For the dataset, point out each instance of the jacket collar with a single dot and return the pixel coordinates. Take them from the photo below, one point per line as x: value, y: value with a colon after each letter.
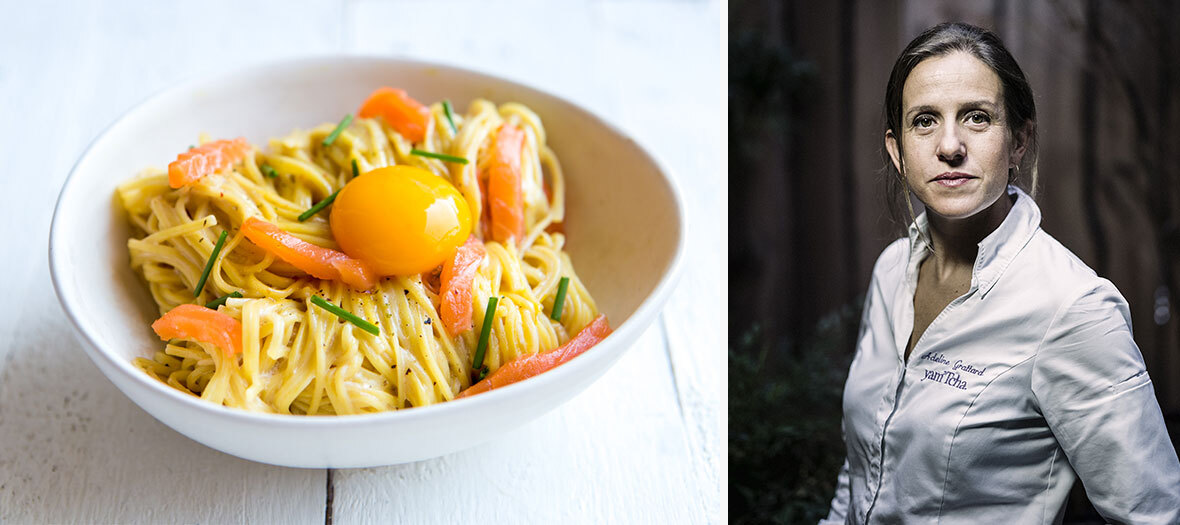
x: 996, y: 251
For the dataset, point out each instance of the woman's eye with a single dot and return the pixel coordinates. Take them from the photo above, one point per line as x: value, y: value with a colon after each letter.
x: 978, y: 118
x: 924, y: 121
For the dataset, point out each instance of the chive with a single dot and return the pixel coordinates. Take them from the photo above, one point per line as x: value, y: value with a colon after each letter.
x: 439, y: 156
x: 209, y: 263
x: 559, y: 301
x: 190, y: 146
x: 344, y: 122
x: 318, y: 206
x: 269, y: 171
x: 212, y: 305
x: 450, y: 116
x: 347, y: 316
x: 485, y: 333
x: 355, y: 172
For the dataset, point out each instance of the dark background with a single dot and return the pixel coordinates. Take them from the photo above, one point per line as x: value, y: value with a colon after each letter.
x: 807, y: 215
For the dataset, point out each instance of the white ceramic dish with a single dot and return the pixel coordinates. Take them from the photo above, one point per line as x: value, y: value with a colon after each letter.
x: 624, y: 222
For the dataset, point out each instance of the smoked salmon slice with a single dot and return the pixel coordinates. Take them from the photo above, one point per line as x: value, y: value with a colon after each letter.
x: 530, y: 365
x: 317, y: 261
x: 458, y: 273
x: 206, y: 159
x: 505, y: 196
x: 406, y: 115
x: 197, y: 323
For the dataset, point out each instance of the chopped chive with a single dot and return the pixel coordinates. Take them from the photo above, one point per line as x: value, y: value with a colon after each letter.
x: 269, y: 171
x: 483, y: 372
x: 559, y: 301
x: 344, y: 122
x: 209, y: 263
x: 212, y: 305
x: 439, y: 156
x: 347, y: 316
x: 318, y: 206
x: 190, y: 146
x: 355, y: 172
x: 485, y: 333
x: 450, y: 116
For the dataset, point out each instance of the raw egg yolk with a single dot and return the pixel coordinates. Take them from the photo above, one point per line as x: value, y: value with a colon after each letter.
x: 400, y: 220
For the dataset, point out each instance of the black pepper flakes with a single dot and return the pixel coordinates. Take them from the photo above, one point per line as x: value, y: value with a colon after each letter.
x: 427, y: 321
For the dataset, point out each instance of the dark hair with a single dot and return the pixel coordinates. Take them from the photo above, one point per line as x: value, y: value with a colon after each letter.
x: 1019, y: 108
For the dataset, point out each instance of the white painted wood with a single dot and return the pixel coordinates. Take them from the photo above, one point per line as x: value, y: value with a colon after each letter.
x: 76, y: 450
x: 559, y: 47
x: 642, y: 445
x: 677, y: 116
x: 616, y: 453
x: 72, y: 447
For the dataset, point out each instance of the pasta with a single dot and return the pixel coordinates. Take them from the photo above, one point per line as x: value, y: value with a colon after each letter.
x: 297, y: 358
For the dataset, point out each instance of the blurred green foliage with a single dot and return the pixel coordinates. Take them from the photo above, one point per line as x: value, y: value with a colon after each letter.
x: 785, y: 442
x: 767, y: 85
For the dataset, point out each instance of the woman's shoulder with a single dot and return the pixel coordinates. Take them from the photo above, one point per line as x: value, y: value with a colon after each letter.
x: 1049, y: 249
x: 1089, y: 331
x: 1056, y: 266
x: 893, y: 259
x: 1057, y: 273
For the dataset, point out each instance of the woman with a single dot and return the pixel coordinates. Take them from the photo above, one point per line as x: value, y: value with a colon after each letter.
x: 993, y: 367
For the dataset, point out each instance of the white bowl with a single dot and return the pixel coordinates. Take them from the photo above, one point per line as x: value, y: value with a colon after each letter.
x: 624, y: 222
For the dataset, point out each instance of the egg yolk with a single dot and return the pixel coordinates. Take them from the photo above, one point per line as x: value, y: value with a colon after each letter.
x: 400, y: 220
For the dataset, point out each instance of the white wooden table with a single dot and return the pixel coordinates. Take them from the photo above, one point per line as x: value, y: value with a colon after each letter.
x: 642, y: 445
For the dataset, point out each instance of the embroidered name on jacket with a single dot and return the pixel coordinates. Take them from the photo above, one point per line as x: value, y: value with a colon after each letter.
x: 952, y: 377
x: 946, y: 377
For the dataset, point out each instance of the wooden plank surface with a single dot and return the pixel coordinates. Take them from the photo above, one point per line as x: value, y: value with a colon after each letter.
x: 629, y: 62
x: 616, y: 453
x: 641, y: 445
x: 72, y: 447
x: 674, y: 120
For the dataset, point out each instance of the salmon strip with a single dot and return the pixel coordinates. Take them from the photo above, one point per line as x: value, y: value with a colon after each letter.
x: 197, y: 323
x: 406, y: 115
x: 531, y: 365
x: 317, y: 261
x: 458, y: 274
x: 206, y: 159
x: 505, y: 196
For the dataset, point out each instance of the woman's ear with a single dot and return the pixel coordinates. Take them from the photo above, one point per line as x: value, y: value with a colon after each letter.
x: 891, y: 147
x: 1021, y: 137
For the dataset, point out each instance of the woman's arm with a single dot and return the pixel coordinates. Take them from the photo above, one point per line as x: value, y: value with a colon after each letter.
x: 838, y: 512
x: 1093, y: 389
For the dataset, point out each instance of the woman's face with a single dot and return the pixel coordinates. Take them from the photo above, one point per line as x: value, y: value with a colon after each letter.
x: 955, y: 139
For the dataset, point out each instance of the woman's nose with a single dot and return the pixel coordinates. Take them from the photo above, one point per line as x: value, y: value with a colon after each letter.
x: 951, y: 148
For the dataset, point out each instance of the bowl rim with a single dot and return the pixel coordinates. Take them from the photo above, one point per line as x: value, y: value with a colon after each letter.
x: 630, y: 329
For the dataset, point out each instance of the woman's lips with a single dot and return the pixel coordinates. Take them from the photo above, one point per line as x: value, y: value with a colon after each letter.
x: 951, y: 183
x: 952, y: 180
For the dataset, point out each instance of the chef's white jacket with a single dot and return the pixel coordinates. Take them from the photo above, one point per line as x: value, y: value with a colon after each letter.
x: 1026, y: 382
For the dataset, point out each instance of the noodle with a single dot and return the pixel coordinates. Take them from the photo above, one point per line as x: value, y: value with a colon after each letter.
x: 301, y: 359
